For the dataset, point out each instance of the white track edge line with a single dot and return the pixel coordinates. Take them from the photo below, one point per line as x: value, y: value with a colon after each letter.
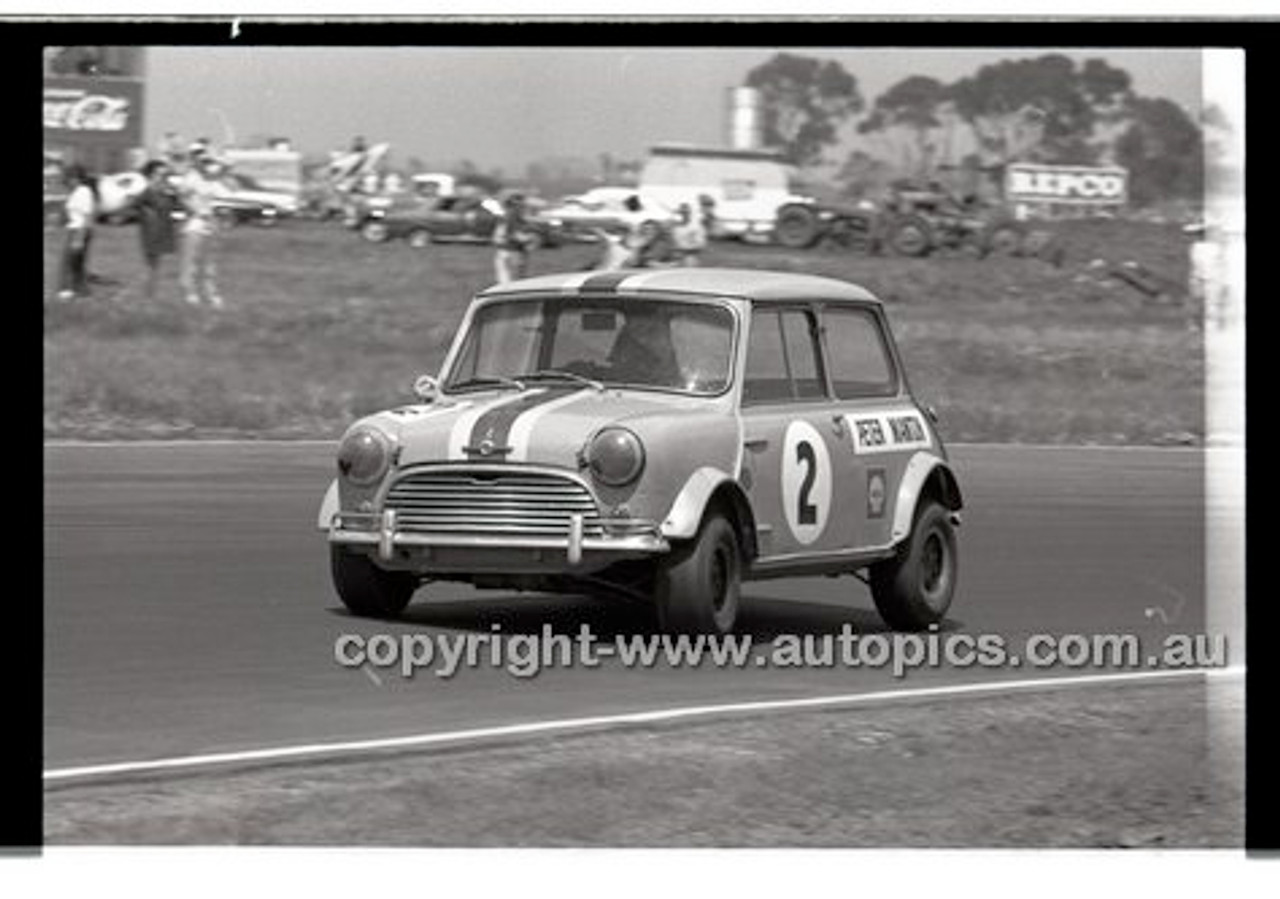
x: 329, y: 750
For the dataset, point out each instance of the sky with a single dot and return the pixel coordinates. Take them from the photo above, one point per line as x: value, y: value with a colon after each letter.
x: 504, y: 107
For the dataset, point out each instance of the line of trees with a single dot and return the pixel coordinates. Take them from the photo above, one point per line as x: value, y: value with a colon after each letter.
x: 1044, y: 109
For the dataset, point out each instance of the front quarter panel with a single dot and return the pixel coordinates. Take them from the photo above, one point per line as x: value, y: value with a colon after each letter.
x: 678, y: 448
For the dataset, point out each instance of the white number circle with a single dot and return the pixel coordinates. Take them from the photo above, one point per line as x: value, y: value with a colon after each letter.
x: 806, y: 481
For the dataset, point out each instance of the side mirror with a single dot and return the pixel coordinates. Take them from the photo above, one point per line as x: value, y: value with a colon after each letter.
x: 426, y: 388
x: 932, y: 413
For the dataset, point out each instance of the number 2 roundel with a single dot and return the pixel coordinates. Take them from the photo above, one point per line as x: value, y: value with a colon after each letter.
x: 806, y: 481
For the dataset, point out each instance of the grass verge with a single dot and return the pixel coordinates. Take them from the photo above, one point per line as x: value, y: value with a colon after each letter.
x: 1126, y: 766
x: 322, y: 327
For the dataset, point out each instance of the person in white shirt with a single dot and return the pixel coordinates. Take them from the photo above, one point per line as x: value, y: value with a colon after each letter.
x: 689, y: 236
x: 80, y: 208
x: 199, y: 188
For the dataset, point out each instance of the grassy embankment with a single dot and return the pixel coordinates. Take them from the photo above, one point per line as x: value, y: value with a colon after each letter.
x: 322, y: 327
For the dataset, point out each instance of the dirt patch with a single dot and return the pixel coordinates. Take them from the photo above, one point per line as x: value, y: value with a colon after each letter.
x: 1130, y: 766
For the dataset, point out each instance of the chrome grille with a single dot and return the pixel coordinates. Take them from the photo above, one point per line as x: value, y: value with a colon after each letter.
x: 491, y: 503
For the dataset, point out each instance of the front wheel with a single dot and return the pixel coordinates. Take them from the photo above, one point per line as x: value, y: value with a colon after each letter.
x: 367, y: 590
x: 914, y: 589
x: 419, y: 238
x: 698, y: 586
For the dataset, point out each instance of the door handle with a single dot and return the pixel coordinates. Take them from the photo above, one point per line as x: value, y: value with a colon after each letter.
x: 757, y: 444
x: 837, y: 425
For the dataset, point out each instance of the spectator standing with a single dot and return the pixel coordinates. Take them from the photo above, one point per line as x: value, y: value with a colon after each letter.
x: 689, y: 236
x: 156, y: 206
x: 707, y: 214
x: 199, y: 190
x: 513, y: 239
x: 615, y: 250
x: 81, y: 208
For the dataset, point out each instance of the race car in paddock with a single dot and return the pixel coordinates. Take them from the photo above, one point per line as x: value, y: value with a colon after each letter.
x: 659, y: 436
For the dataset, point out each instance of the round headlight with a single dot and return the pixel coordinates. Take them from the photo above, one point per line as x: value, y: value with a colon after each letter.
x: 364, y: 456
x: 615, y: 456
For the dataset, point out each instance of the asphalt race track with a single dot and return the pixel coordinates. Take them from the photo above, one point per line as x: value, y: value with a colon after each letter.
x: 188, y: 607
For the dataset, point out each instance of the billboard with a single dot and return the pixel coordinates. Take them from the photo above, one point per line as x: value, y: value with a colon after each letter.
x: 1075, y: 185
x: 92, y: 111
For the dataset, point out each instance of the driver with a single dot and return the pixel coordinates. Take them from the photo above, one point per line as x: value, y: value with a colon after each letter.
x: 643, y: 352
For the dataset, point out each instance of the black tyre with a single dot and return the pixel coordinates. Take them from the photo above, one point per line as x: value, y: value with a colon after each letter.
x: 914, y: 589
x: 419, y: 238
x: 911, y: 235
x: 855, y: 235
x: 797, y: 227
x: 1005, y: 239
x: 698, y: 587
x: 375, y: 231
x: 366, y: 589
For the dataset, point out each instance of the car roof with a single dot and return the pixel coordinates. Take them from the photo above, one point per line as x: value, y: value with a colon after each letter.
x: 750, y: 284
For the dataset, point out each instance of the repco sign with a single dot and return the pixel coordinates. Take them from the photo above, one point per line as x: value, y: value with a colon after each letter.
x: 1075, y: 184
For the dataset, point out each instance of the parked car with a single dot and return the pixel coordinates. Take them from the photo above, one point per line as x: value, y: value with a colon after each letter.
x: 457, y: 219
x: 607, y: 209
x: 248, y: 202
x: 656, y: 435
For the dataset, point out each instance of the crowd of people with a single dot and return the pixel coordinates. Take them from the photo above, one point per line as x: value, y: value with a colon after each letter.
x: 175, y: 213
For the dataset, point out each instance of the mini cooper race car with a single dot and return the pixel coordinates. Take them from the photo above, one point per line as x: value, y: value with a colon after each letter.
x: 660, y: 435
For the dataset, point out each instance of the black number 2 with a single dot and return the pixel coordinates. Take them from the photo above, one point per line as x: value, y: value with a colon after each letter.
x: 807, y: 512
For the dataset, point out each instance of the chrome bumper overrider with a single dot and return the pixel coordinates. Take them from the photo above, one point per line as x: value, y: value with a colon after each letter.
x: 621, y: 536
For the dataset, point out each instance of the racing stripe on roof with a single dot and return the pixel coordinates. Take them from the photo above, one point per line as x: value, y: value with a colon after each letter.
x: 573, y: 282
x: 607, y: 282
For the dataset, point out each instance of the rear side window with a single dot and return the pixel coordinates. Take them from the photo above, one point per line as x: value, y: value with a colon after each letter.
x: 782, y: 358
x: 856, y: 354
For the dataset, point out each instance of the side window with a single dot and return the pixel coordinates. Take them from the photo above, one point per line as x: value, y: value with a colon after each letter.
x: 856, y: 354
x: 802, y: 354
x: 766, y: 375
x: 782, y: 358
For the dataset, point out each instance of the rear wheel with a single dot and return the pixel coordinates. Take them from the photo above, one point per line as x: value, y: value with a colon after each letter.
x: 914, y: 589
x: 797, y: 227
x: 698, y: 586
x: 419, y: 238
x: 375, y: 231
x: 367, y: 590
x: 1005, y: 239
x: 911, y: 236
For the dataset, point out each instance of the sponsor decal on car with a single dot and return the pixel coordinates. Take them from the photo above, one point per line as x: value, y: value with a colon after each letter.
x: 887, y: 432
x: 876, y: 492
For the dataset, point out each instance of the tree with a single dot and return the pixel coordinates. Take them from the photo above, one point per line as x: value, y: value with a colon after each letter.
x: 805, y: 101
x: 1043, y: 108
x: 1163, y: 148
x: 907, y: 119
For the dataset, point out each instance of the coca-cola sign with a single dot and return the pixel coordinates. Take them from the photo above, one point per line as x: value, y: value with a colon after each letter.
x: 93, y: 108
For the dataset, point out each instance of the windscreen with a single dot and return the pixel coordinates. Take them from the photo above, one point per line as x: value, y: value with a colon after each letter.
x: 632, y: 342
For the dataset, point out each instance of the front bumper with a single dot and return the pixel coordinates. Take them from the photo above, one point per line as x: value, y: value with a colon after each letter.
x: 573, y: 552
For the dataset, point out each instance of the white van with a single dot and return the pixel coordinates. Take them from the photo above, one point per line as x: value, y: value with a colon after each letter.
x: 747, y: 186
